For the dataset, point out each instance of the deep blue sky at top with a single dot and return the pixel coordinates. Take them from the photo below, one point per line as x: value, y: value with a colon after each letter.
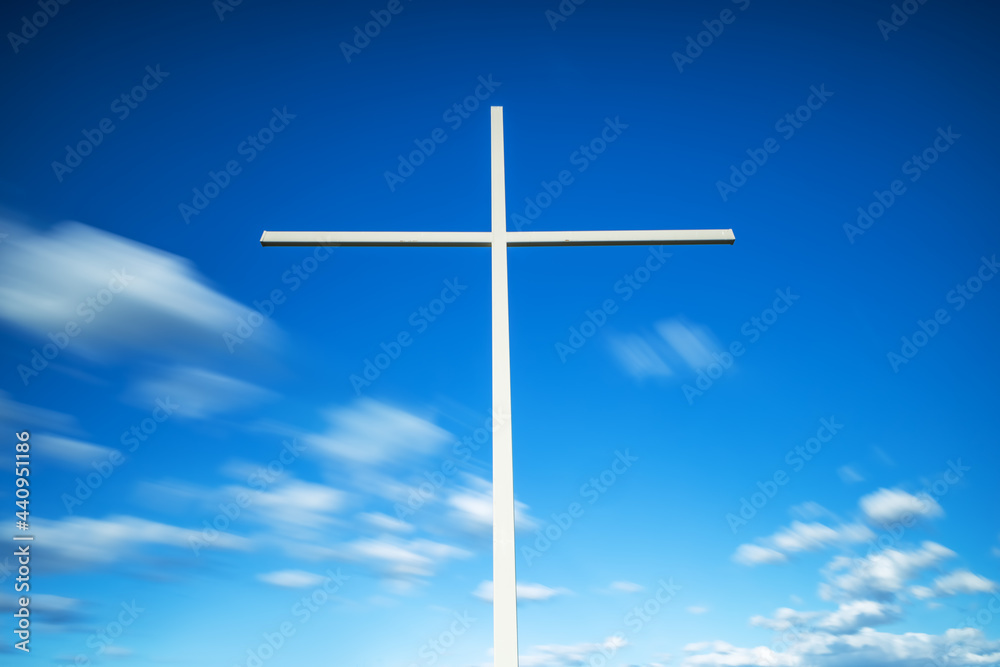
x: 607, y: 62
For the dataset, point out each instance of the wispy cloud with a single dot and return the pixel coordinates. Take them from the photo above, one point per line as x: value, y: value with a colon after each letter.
x: 199, y: 393
x: 83, y: 543
x: 68, y: 452
x: 891, y: 505
x: 166, y: 305
x: 374, y: 433
x: 524, y: 591
x: 291, y: 579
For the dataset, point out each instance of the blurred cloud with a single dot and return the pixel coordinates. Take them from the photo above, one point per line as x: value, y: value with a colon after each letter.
x: 800, y: 536
x: 963, y: 582
x: 198, y: 393
x: 82, y: 543
x: 751, y: 554
x: 638, y: 357
x: 881, y: 575
x: 849, y: 475
x: 386, y: 522
x: 16, y: 416
x: 292, y: 579
x: 373, y: 433
x: 399, y: 558
x: 67, y: 452
x: 572, y: 655
x: 890, y: 505
x: 677, y: 343
x: 470, y: 507
x: 525, y: 591
x: 626, y: 586
x: 165, y: 304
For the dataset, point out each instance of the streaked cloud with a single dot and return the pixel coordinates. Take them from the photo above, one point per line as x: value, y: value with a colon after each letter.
x: 373, y: 433
x: 525, y: 591
x: 198, y: 393
x: 292, y: 579
x: 891, y: 505
x: 166, y: 306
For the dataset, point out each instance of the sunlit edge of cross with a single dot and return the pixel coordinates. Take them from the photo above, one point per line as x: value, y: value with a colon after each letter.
x: 499, y: 239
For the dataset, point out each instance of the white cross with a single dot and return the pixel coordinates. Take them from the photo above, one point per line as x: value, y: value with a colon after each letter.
x: 499, y: 239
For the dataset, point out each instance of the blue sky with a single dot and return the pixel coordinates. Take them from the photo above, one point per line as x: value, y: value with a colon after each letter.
x: 781, y: 452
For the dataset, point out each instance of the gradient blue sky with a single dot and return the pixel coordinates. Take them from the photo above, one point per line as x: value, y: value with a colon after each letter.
x: 821, y: 572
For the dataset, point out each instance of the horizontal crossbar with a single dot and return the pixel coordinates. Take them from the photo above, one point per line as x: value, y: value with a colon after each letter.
x: 513, y: 239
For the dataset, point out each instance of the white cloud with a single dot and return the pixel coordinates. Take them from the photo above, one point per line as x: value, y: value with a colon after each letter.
x: 167, y: 304
x: 374, y: 433
x: 292, y: 578
x: 963, y: 581
x: 697, y: 610
x: 814, y: 536
x: 890, y: 505
x: 880, y: 575
x: 79, y: 542
x: 751, y: 554
x: 864, y: 648
x: 294, y: 506
x: 69, y: 452
x: 555, y: 655
x: 16, y: 416
x: 471, y: 508
x: 198, y: 393
x: 801, y: 536
x: 694, y: 344
x: 724, y: 654
x: 849, y: 475
x: 857, y: 614
x: 399, y: 558
x: 386, y: 522
x: 524, y: 591
x: 638, y: 357
x: 626, y: 587
x: 678, y: 343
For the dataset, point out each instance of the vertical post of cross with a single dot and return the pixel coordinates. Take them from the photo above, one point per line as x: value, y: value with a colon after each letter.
x: 504, y: 579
